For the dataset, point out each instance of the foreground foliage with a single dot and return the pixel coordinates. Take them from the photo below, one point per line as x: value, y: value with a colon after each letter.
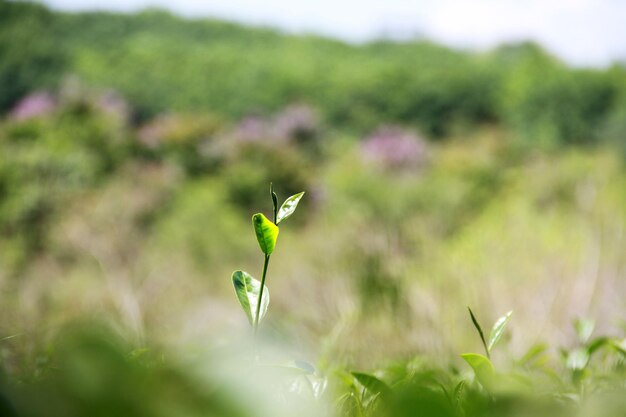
x: 94, y: 372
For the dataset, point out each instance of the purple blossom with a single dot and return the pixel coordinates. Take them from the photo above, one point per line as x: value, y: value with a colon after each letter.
x: 297, y: 121
x: 294, y: 123
x: 114, y: 105
x: 394, y: 147
x: 155, y: 131
x: 251, y: 129
x: 34, y: 105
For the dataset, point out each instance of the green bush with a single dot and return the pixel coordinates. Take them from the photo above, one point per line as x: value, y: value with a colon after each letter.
x: 51, y: 160
x: 29, y: 56
x: 161, y: 62
x: 256, y: 164
x: 545, y: 103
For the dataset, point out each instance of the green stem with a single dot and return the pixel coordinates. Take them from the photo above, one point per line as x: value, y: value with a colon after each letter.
x: 486, y: 348
x: 258, y: 304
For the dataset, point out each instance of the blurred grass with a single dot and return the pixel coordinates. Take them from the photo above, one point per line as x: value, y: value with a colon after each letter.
x: 381, y: 252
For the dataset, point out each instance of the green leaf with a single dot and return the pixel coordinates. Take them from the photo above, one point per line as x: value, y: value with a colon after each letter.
x: 138, y: 353
x: 305, y: 366
x: 288, y: 207
x: 371, y: 384
x: 483, y: 369
x: 458, y: 391
x: 247, y: 290
x: 266, y: 233
x: 300, y: 367
x: 534, y: 353
x: 497, y: 329
x: 584, y: 328
x: 599, y: 342
x: 620, y: 345
x: 319, y: 386
x: 479, y: 329
x: 577, y: 359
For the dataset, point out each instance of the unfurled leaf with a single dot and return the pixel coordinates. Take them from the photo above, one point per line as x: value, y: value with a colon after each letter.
x: 620, y: 345
x: 305, y: 366
x: 296, y: 366
x: 247, y: 290
x: 577, y: 359
x: 458, y: 391
x: 497, y: 329
x: 319, y: 386
x: 483, y: 369
x: 599, y: 342
x: 288, y: 207
x: 266, y: 233
x: 584, y: 328
x: 533, y: 354
x: 372, y: 385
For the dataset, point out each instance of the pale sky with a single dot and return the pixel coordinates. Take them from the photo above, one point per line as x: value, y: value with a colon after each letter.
x: 582, y: 32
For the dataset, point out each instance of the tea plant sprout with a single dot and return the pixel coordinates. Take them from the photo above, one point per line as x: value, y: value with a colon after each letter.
x: 578, y: 359
x: 253, y: 295
x: 482, y: 366
x: 496, y: 330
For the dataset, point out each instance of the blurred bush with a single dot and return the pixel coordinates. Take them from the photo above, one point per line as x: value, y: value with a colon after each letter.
x: 94, y: 371
x: 254, y: 165
x: 196, y: 216
x: 546, y: 103
x: 52, y: 159
x: 30, y: 57
x: 393, y: 148
x: 186, y: 139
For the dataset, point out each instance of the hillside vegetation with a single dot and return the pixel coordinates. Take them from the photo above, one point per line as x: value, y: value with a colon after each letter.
x: 164, y: 63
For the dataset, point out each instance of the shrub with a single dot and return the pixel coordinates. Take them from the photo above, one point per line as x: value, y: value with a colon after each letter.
x: 545, y: 103
x: 30, y: 58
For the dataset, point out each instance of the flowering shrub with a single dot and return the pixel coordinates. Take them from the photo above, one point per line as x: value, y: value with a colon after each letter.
x: 37, y: 104
x: 296, y: 122
x: 393, y: 147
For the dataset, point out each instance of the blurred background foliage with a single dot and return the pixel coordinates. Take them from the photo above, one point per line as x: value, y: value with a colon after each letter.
x: 160, y: 62
x: 134, y: 149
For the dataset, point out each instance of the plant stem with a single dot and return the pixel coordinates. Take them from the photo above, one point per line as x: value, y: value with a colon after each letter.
x: 258, y: 304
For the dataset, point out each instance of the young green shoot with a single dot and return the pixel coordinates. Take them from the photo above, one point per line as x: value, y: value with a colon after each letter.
x: 252, y: 294
x: 496, y: 331
x: 482, y: 366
